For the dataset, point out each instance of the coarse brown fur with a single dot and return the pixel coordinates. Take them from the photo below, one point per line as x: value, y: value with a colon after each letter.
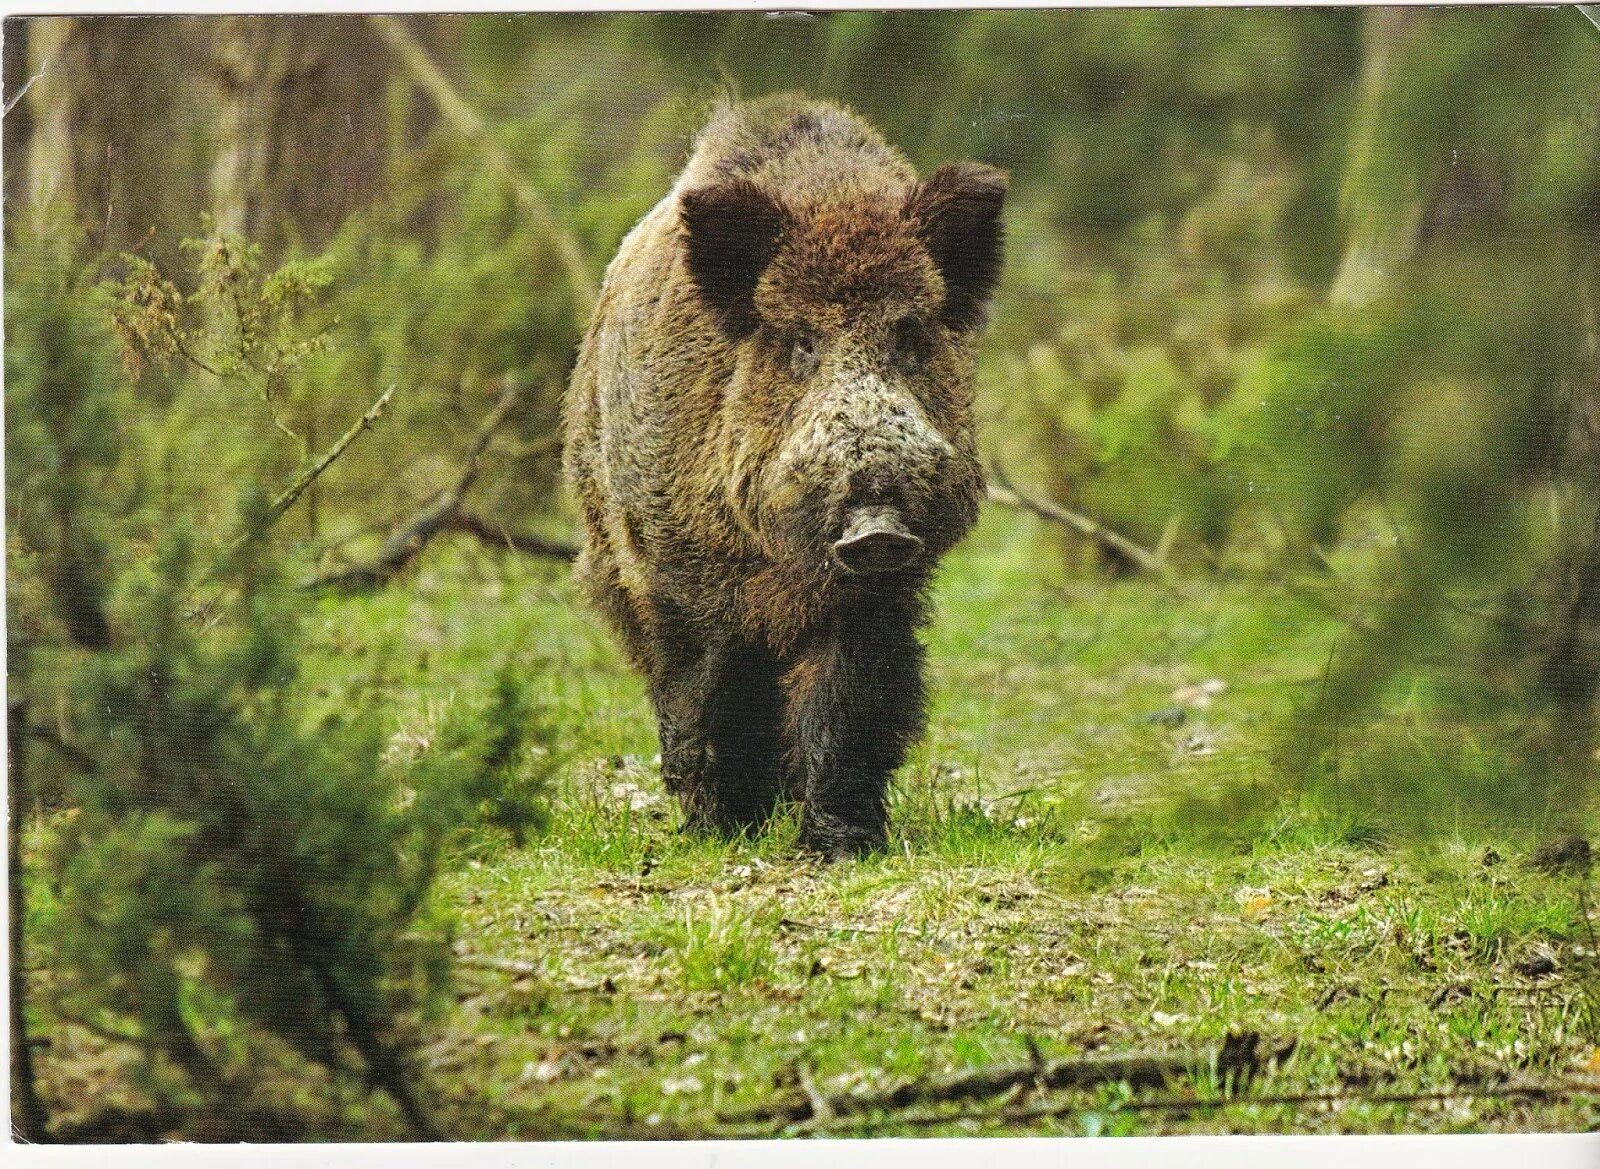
x: 784, y: 341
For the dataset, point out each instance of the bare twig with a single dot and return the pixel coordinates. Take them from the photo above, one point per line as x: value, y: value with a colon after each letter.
x: 76, y: 756
x: 286, y: 499
x: 26, y: 85
x: 821, y: 1107
x: 1004, y: 492
x: 399, y: 550
x: 471, y: 126
x: 796, y: 924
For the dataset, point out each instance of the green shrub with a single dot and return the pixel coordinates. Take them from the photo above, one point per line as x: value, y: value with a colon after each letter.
x: 239, y: 874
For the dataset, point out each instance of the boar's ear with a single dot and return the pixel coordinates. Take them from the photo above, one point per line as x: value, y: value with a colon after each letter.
x: 956, y: 211
x: 733, y: 230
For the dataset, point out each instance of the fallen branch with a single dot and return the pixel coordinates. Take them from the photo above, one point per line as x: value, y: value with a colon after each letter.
x: 792, y: 923
x: 496, y: 536
x: 822, y: 1109
x: 1004, y: 492
x: 1460, y: 1092
x: 1049, y: 1110
x: 520, y: 969
x: 443, y: 513
x: 399, y: 550
x: 1240, y: 1055
x: 471, y: 126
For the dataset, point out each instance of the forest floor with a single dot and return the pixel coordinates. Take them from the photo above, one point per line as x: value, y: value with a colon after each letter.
x: 1092, y: 858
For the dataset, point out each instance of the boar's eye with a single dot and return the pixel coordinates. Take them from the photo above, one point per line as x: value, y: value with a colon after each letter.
x: 908, y: 344
x: 805, y: 354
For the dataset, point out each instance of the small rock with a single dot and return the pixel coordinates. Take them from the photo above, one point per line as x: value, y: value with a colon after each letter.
x: 1169, y: 716
x: 544, y: 1071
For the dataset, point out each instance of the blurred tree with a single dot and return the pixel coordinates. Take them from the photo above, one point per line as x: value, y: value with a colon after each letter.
x: 241, y: 877
x: 301, y: 126
x: 17, y: 125
x: 1447, y: 399
x: 1379, y: 197
x: 113, y: 131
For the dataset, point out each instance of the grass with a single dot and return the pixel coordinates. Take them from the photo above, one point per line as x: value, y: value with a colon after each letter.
x: 1080, y: 862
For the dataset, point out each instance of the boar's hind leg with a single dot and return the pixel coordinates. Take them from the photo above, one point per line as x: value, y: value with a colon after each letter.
x: 855, y: 705
x: 718, y: 708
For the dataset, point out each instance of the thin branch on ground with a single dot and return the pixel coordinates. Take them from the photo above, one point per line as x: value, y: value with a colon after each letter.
x: 471, y: 126
x: 1004, y: 492
x: 1051, y: 1109
x: 1239, y: 1055
x: 821, y: 1107
x: 794, y: 923
x: 503, y: 965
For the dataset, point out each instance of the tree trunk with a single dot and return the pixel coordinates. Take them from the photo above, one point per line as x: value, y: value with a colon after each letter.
x: 109, y: 126
x: 18, y: 121
x: 301, y: 134
x: 52, y: 163
x: 1381, y: 202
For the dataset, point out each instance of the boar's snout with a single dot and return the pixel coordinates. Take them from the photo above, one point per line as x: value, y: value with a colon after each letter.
x: 875, y: 540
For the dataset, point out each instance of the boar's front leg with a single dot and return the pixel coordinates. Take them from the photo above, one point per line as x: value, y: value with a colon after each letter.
x: 717, y: 707
x: 855, y: 705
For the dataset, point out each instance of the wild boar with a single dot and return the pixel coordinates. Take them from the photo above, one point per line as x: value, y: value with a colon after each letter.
x: 769, y: 431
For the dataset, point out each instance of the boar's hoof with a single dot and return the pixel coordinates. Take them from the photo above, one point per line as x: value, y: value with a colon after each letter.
x: 875, y: 540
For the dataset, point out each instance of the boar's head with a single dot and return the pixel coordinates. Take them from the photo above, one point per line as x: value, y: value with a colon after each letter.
x: 853, y: 315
